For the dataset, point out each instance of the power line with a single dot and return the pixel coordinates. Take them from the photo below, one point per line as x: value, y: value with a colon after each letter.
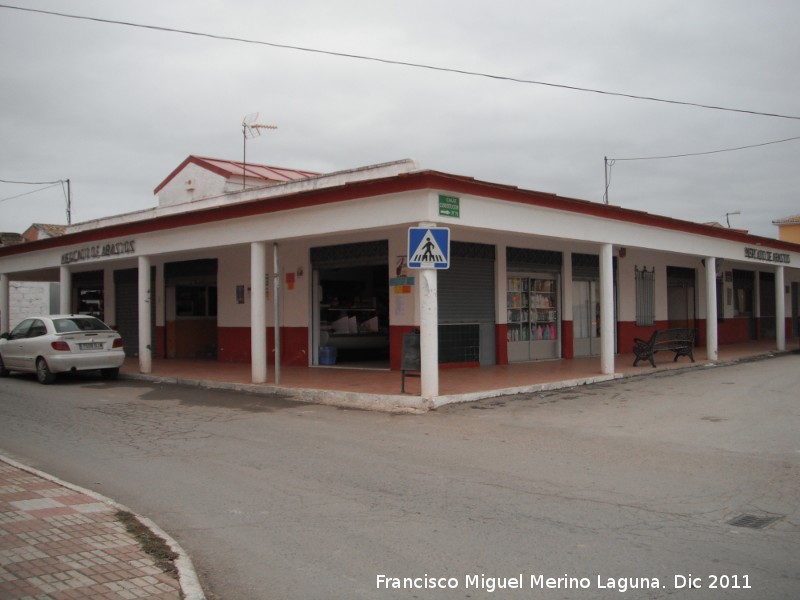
x: 31, y: 182
x: 402, y: 63
x: 791, y: 139
x: 28, y: 193
x: 610, y: 162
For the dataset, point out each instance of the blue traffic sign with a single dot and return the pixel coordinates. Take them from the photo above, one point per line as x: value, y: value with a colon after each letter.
x: 428, y: 247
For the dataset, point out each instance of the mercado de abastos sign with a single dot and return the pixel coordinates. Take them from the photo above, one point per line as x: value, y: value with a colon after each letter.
x: 98, y: 251
x: 767, y: 255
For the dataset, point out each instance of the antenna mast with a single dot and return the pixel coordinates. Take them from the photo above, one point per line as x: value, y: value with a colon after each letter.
x: 250, y: 129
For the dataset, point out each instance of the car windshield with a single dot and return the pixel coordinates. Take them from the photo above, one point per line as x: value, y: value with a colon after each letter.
x: 67, y: 325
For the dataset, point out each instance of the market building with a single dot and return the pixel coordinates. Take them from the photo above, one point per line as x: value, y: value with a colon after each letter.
x: 256, y: 264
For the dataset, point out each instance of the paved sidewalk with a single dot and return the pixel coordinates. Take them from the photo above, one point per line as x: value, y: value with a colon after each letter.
x: 57, y: 543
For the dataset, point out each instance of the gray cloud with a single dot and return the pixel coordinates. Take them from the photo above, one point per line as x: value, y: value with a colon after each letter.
x: 115, y: 108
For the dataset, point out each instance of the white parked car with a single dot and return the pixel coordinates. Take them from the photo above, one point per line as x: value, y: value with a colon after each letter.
x: 61, y: 343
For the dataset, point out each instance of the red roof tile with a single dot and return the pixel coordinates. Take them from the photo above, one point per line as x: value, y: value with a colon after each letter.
x: 233, y: 168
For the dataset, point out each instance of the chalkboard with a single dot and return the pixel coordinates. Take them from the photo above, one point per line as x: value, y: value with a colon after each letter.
x: 411, y: 360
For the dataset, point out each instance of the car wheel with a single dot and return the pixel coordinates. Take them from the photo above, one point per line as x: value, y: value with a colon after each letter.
x: 3, y: 371
x: 109, y: 373
x: 43, y: 372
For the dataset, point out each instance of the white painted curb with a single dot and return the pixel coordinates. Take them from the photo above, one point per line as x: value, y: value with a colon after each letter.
x: 187, y: 576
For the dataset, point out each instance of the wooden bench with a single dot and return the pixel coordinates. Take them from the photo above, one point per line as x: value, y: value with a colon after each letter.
x: 679, y: 341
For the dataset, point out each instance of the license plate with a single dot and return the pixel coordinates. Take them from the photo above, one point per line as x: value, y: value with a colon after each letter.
x: 91, y: 346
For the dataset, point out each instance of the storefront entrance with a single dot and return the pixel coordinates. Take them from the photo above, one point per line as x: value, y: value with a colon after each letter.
x: 88, y: 287
x: 191, y: 308
x: 681, y: 313
x: 126, y: 291
x: 534, y: 326
x: 744, y: 301
x: 586, y: 317
x: 350, y: 300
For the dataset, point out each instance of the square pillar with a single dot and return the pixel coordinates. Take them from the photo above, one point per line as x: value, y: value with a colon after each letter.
x: 258, y: 311
x: 606, y: 310
x: 712, y: 347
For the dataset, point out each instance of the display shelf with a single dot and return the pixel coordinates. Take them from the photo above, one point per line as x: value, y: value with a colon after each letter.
x: 532, y: 319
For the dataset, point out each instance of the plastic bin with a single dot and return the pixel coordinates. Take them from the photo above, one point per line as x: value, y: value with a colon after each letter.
x: 327, y: 355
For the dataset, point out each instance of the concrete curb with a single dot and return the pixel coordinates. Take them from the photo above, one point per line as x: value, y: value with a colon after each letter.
x: 399, y: 403
x: 187, y: 576
x: 393, y: 403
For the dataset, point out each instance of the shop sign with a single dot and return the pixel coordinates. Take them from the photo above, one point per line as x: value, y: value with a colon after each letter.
x: 767, y: 256
x: 449, y: 206
x: 98, y: 251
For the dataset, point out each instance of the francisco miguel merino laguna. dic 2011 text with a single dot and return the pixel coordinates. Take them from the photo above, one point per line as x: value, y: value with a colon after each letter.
x: 542, y: 582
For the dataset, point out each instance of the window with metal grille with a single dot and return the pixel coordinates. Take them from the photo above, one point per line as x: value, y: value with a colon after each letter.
x: 645, y: 296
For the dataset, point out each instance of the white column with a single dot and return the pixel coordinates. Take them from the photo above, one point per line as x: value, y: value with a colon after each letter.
x: 711, y: 308
x: 276, y: 303
x: 5, y: 324
x: 145, y: 324
x: 258, y: 311
x: 780, y: 310
x: 429, y: 333
x: 606, y: 309
x: 65, y: 291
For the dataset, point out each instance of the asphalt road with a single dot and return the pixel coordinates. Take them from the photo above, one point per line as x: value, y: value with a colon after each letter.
x: 597, y: 488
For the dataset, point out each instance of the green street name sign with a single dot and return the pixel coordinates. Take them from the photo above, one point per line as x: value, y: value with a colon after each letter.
x: 449, y: 206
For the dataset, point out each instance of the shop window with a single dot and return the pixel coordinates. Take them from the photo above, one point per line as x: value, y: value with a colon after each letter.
x: 645, y: 296
x: 196, y: 301
x: 90, y: 302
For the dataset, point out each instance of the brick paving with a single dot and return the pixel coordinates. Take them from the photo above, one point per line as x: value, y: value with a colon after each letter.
x: 59, y: 544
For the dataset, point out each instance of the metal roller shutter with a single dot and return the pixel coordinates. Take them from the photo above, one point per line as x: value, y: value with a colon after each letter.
x: 126, y: 286
x: 467, y: 305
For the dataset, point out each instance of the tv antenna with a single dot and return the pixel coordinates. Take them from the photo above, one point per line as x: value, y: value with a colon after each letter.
x: 728, y: 216
x: 250, y: 129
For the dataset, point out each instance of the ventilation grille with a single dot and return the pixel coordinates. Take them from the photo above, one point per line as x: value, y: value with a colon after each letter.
x: 752, y: 521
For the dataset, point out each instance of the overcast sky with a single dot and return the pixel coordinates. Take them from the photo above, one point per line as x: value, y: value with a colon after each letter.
x: 116, y: 108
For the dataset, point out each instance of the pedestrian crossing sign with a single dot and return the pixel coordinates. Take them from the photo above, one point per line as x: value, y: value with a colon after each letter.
x: 428, y: 247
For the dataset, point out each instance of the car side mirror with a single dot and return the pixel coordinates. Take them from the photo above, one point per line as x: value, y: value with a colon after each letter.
x: 3, y: 336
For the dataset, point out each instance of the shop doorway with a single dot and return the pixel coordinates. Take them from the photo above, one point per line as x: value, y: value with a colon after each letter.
x: 767, y: 303
x: 681, y: 304
x: 350, y: 300
x: 89, y: 294
x: 467, y: 316
x: 126, y: 291
x: 534, y: 324
x: 744, y: 300
x: 795, y: 310
x: 191, y: 308
x: 586, y: 317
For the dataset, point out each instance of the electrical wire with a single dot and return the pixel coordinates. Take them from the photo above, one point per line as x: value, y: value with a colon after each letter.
x: 791, y: 139
x: 402, y: 63
x: 29, y: 193
x: 610, y: 162
x: 31, y: 182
